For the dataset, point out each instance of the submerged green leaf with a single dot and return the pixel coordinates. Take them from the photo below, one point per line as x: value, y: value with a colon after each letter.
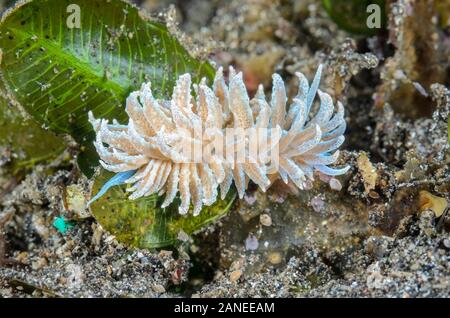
x: 352, y: 15
x: 26, y: 142
x: 142, y: 223
x: 58, y: 72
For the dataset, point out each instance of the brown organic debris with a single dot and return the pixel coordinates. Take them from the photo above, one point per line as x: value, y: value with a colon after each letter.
x: 4, y: 260
x: 418, y: 60
x: 368, y: 172
x: 429, y: 201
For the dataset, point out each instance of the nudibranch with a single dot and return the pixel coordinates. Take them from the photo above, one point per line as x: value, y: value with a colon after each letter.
x: 149, y: 152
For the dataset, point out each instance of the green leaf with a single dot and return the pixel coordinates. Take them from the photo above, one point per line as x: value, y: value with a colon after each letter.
x: 27, y: 142
x: 142, y: 223
x: 351, y: 15
x: 58, y: 73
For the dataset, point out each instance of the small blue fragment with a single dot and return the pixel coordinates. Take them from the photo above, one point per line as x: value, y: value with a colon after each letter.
x: 118, y: 179
x: 61, y: 225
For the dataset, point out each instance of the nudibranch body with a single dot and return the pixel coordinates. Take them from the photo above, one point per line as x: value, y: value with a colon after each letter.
x: 195, y: 144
